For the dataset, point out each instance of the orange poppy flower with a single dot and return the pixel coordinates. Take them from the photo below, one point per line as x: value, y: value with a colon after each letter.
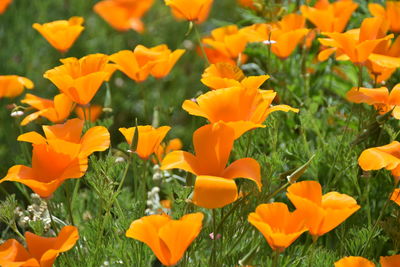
x: 279, y: 226
x: 195, y: 10
x: 243, y: 107
x: 93, y: 112
x: 390, y: 14
x: 226, y: 42
x: 41, y: 252
x: 149, y: 138
x: 162, y: 150
x: 354, y: 262
x: 322, y: 212
x: 142, y: 61
x: 214, y: 186
x: 123, y: 15
x: 379, y: 97
x: 3, y: 5
x: 222, y: 75
x: 56, y: 110
x: 13, y: 85
x: 167, y: 238
x: 329, y: 17
x: 61, y: 34
x: 355, y: 45
x: 396, y: 196
x: 61, y: 155
x: 287, y: 34
x: 387, y: 156
x: 80, y: 79
x: 384, y: 60
x: 390, y: 261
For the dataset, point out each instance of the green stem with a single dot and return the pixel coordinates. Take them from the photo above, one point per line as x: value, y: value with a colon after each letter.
x: 68, y: 196
x: 50, y: 209
x: 214, y: 240
x: 196, y: 31
x: 275, y: 258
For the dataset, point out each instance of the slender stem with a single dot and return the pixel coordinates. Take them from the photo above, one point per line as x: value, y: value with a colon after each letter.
x: 379, y: 218
x: 50, y: 209
x: 15, y: 229
x: 360, y: 77
x: 196, y: 31
x: 68, y: 196
x: 275, y: 258
x: 213, y: 252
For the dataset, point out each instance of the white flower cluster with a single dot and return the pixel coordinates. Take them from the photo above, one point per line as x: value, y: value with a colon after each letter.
x: 36, y: 212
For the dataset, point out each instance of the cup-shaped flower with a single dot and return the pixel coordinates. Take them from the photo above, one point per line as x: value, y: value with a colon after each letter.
x: 13, y: 85
x: 214, y: 186
x: 149, y: 138
x: 396, y: 196
x: 142, y: 61
x: 287, y: 34
x: 56, y: 110
x: 41, y: 251
x: 124, y: 15
x: 243, y: 107
x: 387, y: 156
x: 162, y: 58
x: 354, y: 262
x: 62, y: 154
x: 322, y: 212
x: 194, y: 10
x: 3, y: 5
x: 227, y: 42
x: 329, y: 17
x: 61, y: 34
x: 167, y: 238
x: 91, y: 113
x: 355, y: 45
x: 222, y: 75
x: 279, y: 226
x: 379, y: 97
x: 390, y: 261
x: 390, y: 14
x: 80, y: 79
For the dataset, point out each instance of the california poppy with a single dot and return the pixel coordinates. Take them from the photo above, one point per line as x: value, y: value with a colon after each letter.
x: 61, y: 155
x: 396, y: 196
x: 222, y: 75
x: 167, y: 238
x: 91, y: 113
x: 329, y: 17
x: 226, y: 41
x: 322, y: 212
x: 390, y: 14
x: 354, y: 262
x: 243, y: 107
x: 3, y: 5
x: 163, y: 150
x: 61, y: 34
x: 195, y: 10
x: 214, y: 186
x: 355, y: 45
x: 80, y: 79
x: 279, y: 226
x: 379, y: 97
x: 149, y: 138
x: 123, y: 15
x: 387, y: 156
x: 41, y: 251
x: 287, y: 34
x: 13, y: 85
x: 56, y: 110
x: 390, y: 261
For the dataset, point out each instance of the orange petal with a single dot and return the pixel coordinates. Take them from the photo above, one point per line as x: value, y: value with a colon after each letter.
x: 396, y: 196
x: 177, y: 235
x: 180, y: 160
x: 13, y: 254
x: 390, y: 261
x: 214, y: 192
x: 95, y: 139
x: 244, y: 168
x: 46, y: 249
x: 69, y: 131
x: 380, y: 157
x: 32, y: 137
x: 368, y: 95
x: 354, y: 262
